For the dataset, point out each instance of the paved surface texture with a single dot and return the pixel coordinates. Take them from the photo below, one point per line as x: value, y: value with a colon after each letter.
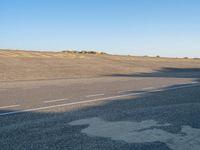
x: 157, y: 111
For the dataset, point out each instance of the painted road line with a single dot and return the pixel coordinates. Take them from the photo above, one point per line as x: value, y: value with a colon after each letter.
x: 194, y: 82
x: 93, y: 100
x: 181, y: 87
x: 55, y: 100
x: 148, y: 88
x: 11, y: 106
x: 124, y: 91
x: 68, y: 104
x: 158, y: 90
x: 95, y: 95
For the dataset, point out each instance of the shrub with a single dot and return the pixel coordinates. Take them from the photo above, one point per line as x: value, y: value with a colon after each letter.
x: 83, y: 52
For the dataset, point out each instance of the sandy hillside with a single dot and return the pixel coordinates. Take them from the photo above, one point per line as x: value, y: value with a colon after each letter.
x: 30, y: 65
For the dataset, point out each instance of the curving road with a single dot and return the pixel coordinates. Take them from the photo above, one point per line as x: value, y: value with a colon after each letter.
x: 140, y: 111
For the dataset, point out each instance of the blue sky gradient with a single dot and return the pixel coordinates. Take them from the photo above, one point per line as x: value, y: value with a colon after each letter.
x: 136, y: 27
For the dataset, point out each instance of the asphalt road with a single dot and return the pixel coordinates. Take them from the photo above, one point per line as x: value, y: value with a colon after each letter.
x: 152, y: 111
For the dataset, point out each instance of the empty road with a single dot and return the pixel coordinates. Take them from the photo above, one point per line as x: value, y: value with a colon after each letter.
x: 157, y: 111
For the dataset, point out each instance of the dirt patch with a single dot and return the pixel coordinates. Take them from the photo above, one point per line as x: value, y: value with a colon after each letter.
x: 30, y: 65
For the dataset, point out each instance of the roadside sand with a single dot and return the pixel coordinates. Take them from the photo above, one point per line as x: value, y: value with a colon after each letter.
x: 30, y: 65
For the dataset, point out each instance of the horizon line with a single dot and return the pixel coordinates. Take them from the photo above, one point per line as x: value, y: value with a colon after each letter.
x: 68, y: 50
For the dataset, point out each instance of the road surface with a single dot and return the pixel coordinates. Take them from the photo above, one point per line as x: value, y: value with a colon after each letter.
x: 157, y: 111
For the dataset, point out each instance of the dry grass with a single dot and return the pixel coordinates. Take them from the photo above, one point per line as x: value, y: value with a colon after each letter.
x: 29, y: 65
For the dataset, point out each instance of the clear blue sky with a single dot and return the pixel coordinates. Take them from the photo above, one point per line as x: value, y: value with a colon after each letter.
x: 137, y: 27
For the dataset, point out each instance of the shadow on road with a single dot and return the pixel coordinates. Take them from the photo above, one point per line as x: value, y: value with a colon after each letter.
x: 51, y: 130
x: 167, y: 72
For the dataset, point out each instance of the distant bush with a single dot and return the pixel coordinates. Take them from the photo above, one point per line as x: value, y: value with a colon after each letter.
x: 83, y: 52
x: 157, y: 56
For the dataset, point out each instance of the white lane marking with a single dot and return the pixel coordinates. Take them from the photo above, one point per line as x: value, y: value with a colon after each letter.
x: 55, y: 100
x: 148, y: 88
x: 94, y: 95
x: 11, y: 106
x: 158, y: 90
x: 94, y: 100
x: 68, y: 104
x: 125, y: 91
x: 181, y: 87
x: 194, y: 82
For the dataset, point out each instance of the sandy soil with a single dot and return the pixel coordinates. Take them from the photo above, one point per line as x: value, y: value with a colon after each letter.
x: 30, y: 65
